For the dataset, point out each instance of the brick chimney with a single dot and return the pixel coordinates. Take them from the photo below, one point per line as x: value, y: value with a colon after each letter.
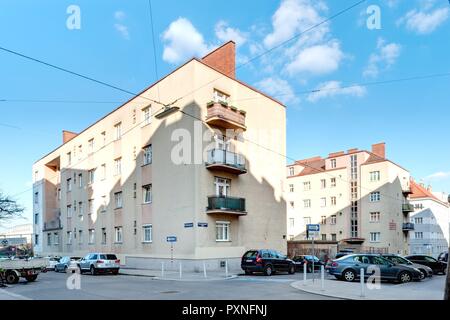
x: 68, y: 135
x: 379, y: 149
x: 223, y: 59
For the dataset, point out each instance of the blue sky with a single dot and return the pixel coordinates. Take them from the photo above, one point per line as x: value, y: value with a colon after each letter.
x: 114, y: 44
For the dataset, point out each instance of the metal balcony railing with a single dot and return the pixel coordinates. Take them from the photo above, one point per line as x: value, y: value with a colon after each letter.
x: 407, y: 207
x: 226, y: 158
x: 54, y: 224
x: 408, y: 226
x: 232, y: 204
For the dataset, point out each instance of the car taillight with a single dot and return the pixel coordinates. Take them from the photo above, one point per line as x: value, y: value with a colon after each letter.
x: 118, y: 261
x: 258, y: 259
x: 100, y: 261
x: 334, y: 264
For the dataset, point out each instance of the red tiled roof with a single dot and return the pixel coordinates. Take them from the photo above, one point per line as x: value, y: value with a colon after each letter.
x: 418, y: 191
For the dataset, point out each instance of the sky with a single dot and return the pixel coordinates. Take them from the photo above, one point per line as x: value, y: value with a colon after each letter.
x: 113, y: 43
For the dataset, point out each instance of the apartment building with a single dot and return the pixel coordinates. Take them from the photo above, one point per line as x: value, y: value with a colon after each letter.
x: 156, y: 185
x: 431, y: 218
x: 358, y: 197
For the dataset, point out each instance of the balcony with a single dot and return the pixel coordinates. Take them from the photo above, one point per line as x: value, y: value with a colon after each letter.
x: 227, y: 161
x: 229, y: 205
x: 54, y: 224
x: 407, y: 208
x: 408, y: 226
x: 224, y: 116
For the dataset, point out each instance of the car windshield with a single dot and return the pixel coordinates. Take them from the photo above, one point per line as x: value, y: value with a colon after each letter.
x: 310, y: 258
x: 398, y: 260
x: 108, y: 256
x: 251, y: 254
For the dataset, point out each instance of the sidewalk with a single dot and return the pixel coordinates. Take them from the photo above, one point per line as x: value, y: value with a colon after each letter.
x: 175, y: 275
x: 429, y: 289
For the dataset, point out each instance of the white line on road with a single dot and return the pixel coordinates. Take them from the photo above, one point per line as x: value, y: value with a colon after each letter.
x: 4, y: 293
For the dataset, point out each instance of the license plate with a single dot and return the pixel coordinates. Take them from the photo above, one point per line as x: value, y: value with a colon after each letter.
x: 249, y: 261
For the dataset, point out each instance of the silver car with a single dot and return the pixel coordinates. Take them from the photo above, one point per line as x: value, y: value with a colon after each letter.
x: 99, y: 263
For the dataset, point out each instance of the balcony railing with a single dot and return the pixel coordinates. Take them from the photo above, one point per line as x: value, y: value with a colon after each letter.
x: 408, y: 226
x: 226, y: 161
x: 54, y: 224
x: 232, y: 205
x: 225, y: 116
x: 407, y: 207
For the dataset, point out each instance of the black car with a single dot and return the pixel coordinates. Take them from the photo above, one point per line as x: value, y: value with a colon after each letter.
x: 443, y: 256
x: 301, y: 260
x: 266, y: 261
x: 396, y: 259
x: 437, y: 266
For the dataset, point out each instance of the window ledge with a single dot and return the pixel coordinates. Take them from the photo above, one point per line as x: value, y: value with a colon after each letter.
x: 145, y: 165
x: 223, y: 240
x: 147, y: 242
x: 118, y: 242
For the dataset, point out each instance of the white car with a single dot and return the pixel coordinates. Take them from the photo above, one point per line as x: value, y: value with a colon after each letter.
x: 52, y: 262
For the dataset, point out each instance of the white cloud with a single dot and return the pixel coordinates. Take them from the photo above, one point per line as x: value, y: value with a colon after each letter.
x: 385, y: 56
x: 438, y: 176
x: 333, y: 88
x: 226, y: 33
x: 120, y: 26
x: 279, y: 89
x: 424, y: 21
x: 318, y: 59
x: 182, y: 41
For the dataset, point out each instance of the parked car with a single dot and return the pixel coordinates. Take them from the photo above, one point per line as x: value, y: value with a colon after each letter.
x: 266, y: 261
x: 348, y: 268
x: 66, y: 263
x: 52, y: 261
x: 99, y: 263
x: 300, y: 261
x: 437, y: 266
x: 443, y: 256
x: 343, y: 253
x: 395, y: 258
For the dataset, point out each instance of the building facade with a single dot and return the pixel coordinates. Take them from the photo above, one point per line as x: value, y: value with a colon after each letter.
x: 154, y: 186
x: 358, y: 197
x: 431, y: 219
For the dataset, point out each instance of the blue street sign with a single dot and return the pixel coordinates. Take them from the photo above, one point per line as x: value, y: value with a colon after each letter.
x: 313, y: 227
x: 171, y: 239
x: 189, y: 225
x: 202, y: 224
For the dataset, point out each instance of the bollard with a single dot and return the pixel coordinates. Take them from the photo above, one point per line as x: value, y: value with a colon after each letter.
x: 226, y: 268
x: 361, y: 276
x: 181, y: 272
x: 204, y: 269
x: 304, y: 274
x: 162, y: 269
x: 322, y: 278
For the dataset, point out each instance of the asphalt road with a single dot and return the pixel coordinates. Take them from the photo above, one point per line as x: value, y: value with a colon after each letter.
x: 52, y: 286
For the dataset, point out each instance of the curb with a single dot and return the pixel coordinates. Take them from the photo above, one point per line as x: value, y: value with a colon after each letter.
x: 301, y: 288
x: 177, y: 279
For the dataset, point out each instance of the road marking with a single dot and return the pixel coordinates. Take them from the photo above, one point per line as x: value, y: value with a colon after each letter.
x: 13, y: 295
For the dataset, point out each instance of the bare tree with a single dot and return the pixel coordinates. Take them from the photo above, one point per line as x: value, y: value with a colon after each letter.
x: 9, y: 208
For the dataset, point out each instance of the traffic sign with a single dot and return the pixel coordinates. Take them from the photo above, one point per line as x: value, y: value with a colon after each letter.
x: 189, y: 225
x: 171, y: 239
x: 202, y: 224
x: 313, y: 227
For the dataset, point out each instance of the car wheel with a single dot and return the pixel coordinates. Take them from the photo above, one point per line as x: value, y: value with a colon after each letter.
x: 423, y: 274
x: 93, y: 272
x: 291, y: 269
x: 404, y: 277
x: 349, y: 275
x: 12, y: 278
x: 268, y: 270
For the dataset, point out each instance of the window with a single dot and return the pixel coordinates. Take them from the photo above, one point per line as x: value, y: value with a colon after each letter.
x: 103, y: 134
x: 148, y: 154
x: 375, y: 176
x: 307, y: 186
x: 307, y: 220
x: 375, y: 196
x: 292, y: 222
x: 69, y: 158
x: 69, y: 237
x: 333, y: 219
x: 118, y: 131
x: 49, y: 239
x: 333, y: 163
x: 418, y: 235
x: 291, y: 171
x: 69, y: 211
x: 333, y: 237
x: 103, y: 235
x: 59, y: 193
x: 147, y: 193
x: 118, y: 233
x: 292, y: 204
x: 374, y: 217
x: 222, y: 231
x: 323, y: 202
x: 36, y: 239
x: 220, y: 97
x: 324, y: 237
x: 146, y: 116
x: 222, y: 186
x: 91, y: 236
x: 80, y: 180
x: 91, y: 176
x: 36, y: 218
x: 91, y: 146
x: 80, y: 236
x: 80, y: 208
x: 323, y: 220
x: 69, y: 184
x: 354, y: 166
x: 375, y: 237
x: 291, y: 188
x: 418, y: 220
x: 103, y: 171
x: 147, y: 233
x: 36, y: 197
x: 307, y: 203
x: 36, y: 175
x: 80, y: 151
x: 104, y: 204
x: 90, y: 206
x: 323, y: 183
x: 333, y: 182
x: 118, y: 199
x: 333, y: 201
x: 118, y: 166
x: 56, y: 238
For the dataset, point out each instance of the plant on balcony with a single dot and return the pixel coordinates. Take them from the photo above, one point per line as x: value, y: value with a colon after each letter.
x: 224, y: 104
x: 234, y: 108
x: 243, y: 112
x: 210, y: 104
